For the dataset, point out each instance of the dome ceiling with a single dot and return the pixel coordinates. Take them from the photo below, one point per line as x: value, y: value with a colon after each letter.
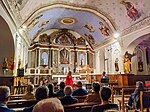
x: 114, y: 15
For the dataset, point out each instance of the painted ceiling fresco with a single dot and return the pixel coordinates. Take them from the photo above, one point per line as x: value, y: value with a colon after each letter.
x: 85, y: 23
x: 122, y: 14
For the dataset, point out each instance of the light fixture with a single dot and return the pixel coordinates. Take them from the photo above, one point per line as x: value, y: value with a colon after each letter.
x: 24, y: 27
x: 116, y: 35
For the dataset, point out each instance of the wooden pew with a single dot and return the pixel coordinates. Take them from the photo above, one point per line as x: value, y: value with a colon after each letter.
x: 79, y: 107
x: 144, y: 100
x: 20, y: 103
x: 80, y: 98
x: 16, y: 96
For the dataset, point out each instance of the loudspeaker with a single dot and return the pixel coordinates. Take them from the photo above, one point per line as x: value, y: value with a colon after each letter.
x: 20, y: 72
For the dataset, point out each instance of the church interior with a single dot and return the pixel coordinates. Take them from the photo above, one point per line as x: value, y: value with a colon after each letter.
x: 45, y: 39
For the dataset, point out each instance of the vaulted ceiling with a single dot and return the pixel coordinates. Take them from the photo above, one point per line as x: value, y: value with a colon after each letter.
x: 97, y: 18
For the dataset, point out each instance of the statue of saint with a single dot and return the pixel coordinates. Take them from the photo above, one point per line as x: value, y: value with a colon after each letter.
x: 5, y: 64
x: 116, y: 65
x: 127, y: 62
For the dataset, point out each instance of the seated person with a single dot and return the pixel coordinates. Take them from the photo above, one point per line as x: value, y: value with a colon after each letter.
x: 51, y: 90
x: 135, y: 97
x: 29, y: 94
x: 79, y: 91
x: 41, y: 93
x: 95, y: 96
x: 105, y: 94
x: 61, y: 93
x: 68, y: 99
x: 4, y: 97
x: 48, y: 105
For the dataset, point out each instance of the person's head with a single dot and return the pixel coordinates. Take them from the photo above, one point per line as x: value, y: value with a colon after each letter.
x: 62, y: 85
x: 79, y: 84
x: 68, y: 90
x: 139, y: 84
x: 51, y: 89
x: 104, y: 73
x: 48, y: 105
x: 105, y: 93
x: 41, y: 93
x: 4, y: 94
x: 30, y: 88
x: 96, y: 87
x: 69, y: 73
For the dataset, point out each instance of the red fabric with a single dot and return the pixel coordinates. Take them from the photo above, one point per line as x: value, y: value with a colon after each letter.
x: 69, y: 81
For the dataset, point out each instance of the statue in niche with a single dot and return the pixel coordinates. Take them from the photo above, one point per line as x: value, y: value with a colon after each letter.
x: 89, y: 27
x: 116, y: 65
x: 104, y: 30
x: 19, y: 64
x: 5, y: 64
x: 140, y: 65
x: 81, y: 41
x: 131, y: 10
x: 127, y: 62
x: 64, y: 56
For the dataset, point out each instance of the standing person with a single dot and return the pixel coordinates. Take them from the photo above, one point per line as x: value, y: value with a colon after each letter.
x: 104, y: 79
x: 69, y: 80
x: 4, y: 97
x: 61, y: 93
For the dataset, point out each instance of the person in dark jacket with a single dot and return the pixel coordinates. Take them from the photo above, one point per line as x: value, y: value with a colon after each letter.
x: 4, y: 97
x: 134, y: 99
x: 51, y: 90
x: 79, y: 91
x: 61, y: 93
x: 68, y: 98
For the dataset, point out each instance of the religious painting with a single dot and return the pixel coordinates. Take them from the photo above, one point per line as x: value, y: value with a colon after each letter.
x: 140, y: 59
x: 44, y: 58
x: 64, y: 56
x: 148, y: 56
x: 82, y: 59
x: 73, y: 61
x: 90, y: 38
x: 44, y: 38
x: 132, y: 12
x: 81, y: 41
x: 89, y: 27
x: 104, y: 29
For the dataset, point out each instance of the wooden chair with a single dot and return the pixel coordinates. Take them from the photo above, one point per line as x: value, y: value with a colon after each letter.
x: 144, y: 100
x: 125, y: 94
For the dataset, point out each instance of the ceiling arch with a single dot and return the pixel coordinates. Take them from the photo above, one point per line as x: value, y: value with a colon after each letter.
x: 86, y: 22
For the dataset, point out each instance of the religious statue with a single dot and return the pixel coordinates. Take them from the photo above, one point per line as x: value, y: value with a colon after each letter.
x: 131, y: 10
x: 64, y: 56
x: 140, y: 65
x: 104, y: 29
x: 19, y: 64
x: 127, y: 62
x: 5, y: 64
x: 116, y: 65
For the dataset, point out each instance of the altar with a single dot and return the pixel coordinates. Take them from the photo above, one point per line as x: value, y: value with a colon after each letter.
x: 56, y: 54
